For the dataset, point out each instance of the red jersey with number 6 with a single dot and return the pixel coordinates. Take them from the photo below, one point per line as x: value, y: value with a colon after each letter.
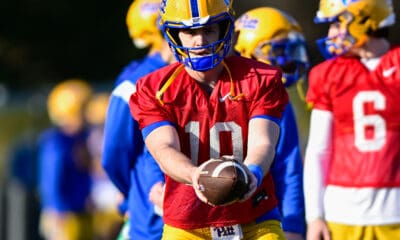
x: 366, y: 113
x: 209, y: 126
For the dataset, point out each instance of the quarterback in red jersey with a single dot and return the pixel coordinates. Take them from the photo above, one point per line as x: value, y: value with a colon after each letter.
x: 205, y: 106
x: 352, y: 162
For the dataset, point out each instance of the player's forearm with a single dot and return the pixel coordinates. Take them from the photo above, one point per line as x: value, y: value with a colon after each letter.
x: 175, y: 164
x: 263, y: 136
x: 163, y: 144
x: 317, y: 158
x: 262, y: 156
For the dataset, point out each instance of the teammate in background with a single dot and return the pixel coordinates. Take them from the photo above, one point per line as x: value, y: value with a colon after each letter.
x: 352, y: 170
x: 272, y: 36
x: 205, y: 106
x: 104, y: 195
x: 65, y: 164
x: 125, y: 158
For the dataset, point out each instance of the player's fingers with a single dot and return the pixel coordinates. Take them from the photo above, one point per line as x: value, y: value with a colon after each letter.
x: 199, y: 193
x: 198, y: 189
x: 252, y: 187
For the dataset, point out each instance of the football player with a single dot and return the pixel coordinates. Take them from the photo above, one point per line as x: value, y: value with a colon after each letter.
x: 352, y: 170
x: 205, y: 106
x: 65, y: 165
x: 272, y: 36
x: 125, y: 158
x: 104, y: 195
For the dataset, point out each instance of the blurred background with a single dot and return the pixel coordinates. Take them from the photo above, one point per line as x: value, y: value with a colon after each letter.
x: 44, y: 42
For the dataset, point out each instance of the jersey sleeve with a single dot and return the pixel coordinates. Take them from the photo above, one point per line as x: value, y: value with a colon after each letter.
x: 152, y: 170
x: 122, y: 138
x: 271, y: 97
x: 318, y: 89
x: 50, y: 169
x: 287, y: 171
x: 144, y: 105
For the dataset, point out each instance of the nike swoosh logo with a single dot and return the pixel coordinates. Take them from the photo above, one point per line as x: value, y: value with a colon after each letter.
x: 222, y: 99
x: 387, y: 72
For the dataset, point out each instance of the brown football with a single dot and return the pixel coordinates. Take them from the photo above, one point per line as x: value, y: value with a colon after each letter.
x: 223, y: 181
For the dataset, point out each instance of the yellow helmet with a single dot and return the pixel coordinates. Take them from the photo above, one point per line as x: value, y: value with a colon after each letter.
x: 142, y: 22
x: 66, y: 102
x: 358, y: 17
x: 96, y: 109
x: 273, y: 36
x: 184, y: 14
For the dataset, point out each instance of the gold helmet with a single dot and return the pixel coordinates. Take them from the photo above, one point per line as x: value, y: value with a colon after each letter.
x: 66, y: 102
x: 358, y: 17
x: 96, y: 109
x: 188, y: 14
x: 142, y: 23
x: 273, y: 36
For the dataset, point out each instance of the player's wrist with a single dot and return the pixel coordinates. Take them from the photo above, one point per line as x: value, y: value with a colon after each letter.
x: 257, y: 171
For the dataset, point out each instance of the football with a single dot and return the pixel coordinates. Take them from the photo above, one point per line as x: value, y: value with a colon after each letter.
x: 223, y: 180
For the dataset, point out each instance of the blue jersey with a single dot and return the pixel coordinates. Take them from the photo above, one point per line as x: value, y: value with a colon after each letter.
x: 125, y: 158
x: 287, y: 171
x: 64, y: 171
x: 127, y: 71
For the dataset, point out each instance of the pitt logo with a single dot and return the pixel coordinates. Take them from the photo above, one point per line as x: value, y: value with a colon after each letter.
x: 347, y: 2
x: 150, y: 8
x: 225, y: 231
x: 246, y: 22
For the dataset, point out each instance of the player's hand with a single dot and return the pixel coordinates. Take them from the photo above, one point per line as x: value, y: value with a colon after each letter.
x: 252, y: 185
x: 156, y: 195
x: 318, y: 230
x: 198, y: 188
x: 293, y: 236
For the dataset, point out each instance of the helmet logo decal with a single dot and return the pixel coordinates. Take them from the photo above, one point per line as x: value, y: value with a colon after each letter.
x: 246, y: 22
x: 347, y: 2
x: 149, y: 8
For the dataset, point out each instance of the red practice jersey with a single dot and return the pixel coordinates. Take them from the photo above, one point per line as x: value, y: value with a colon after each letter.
x: 366, y: 113
x: 211, y: 126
